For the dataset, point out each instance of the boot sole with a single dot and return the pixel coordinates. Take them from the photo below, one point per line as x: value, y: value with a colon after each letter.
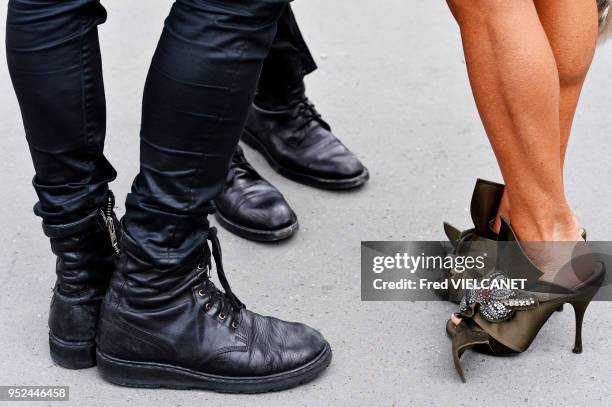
x: 310, y: 180
x: 156, y: 375
x: 72, y: 354
x: 258, y: 235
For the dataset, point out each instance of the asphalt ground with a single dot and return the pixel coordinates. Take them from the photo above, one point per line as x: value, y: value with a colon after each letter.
x: 392, y: 83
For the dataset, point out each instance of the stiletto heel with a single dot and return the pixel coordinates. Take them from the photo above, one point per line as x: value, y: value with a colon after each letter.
x: 579, y: 309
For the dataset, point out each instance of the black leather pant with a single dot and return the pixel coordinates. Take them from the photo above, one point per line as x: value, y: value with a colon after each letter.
x: 288, y: 62
x: 198, y: 92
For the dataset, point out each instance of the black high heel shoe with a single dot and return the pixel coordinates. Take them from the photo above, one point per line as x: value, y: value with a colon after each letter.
x: 506, y: 321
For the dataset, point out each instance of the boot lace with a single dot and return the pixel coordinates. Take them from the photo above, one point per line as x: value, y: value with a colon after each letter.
x: 227, y: 302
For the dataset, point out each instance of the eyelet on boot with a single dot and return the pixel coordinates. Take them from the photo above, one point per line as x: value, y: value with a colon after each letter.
x: 222, y: 316
x: 207, y: 306
x: 234, y: 325
x: 202, y: 268
x: 201, y: 293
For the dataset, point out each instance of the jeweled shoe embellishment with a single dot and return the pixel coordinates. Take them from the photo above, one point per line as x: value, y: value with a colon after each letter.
x: 496, y: 304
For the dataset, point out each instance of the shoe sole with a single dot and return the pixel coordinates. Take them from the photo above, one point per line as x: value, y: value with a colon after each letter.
x: 72, y: 354
x: 257, y: 235
x: 155, y: 375
x: 324, y: 183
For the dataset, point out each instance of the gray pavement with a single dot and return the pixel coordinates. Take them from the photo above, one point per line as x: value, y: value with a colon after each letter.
x: 392, y: 82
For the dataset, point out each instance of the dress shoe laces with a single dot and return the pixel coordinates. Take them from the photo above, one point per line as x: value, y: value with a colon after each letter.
x: 228, y: 303
x: 240, y: 166
x: 309, y: 113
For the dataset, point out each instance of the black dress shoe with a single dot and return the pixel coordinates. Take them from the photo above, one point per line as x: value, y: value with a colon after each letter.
x: 299, y: 145
x: 173, y: 328
x: 85, y: 252
x: 251, y: 207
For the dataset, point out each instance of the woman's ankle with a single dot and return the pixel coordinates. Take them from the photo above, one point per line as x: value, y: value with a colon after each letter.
x: 538, y: 225
x: 552, y: 239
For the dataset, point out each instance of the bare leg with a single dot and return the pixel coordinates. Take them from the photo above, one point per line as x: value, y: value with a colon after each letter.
x: 571, y: 28
x: 515, y: 82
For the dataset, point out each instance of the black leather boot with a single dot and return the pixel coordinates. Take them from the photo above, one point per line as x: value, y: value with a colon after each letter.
x: 299, y: 144
x: 173, y: 328
x: 250, y: 207
x: 85, y: 252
